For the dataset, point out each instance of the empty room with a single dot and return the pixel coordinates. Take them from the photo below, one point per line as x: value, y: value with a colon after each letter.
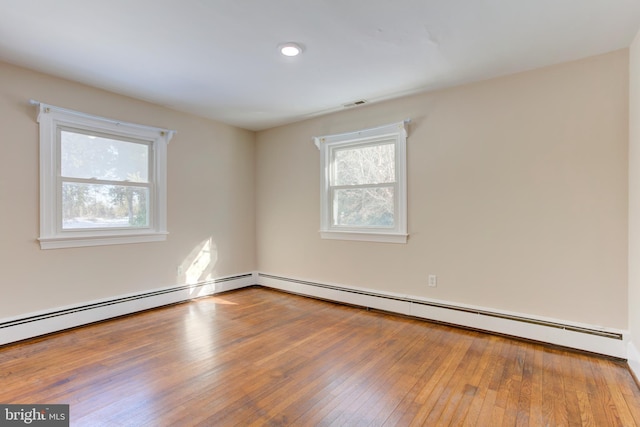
x: 320, y: 213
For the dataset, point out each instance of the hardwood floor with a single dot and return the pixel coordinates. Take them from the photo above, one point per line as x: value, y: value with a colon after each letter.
x: 261, y: 357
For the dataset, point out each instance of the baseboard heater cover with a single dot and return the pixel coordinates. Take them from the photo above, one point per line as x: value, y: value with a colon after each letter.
x: 607, y: 342
x: 36, y: 324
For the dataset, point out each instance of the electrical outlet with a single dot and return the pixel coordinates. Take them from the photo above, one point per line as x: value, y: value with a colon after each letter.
x: 433, y: 281
x: 180, y: 270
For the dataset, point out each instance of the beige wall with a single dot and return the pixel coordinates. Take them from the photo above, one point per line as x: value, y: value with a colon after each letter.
x: 634, y: 194
x: 210, y: 191
x: 517, y: 198
x: 517, y: 195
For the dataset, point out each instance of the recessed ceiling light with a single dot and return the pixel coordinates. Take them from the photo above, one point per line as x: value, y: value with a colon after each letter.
x: 290, y: 49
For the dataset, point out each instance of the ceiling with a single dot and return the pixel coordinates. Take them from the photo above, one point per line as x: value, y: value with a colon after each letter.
x: 219, y: 58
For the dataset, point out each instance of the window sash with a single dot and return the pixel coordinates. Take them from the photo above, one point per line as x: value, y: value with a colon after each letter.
x: 94, y: 133
x: 362, y: 146
x: 61, y: 180
x: 334, y: 222
x: 148, y: 206
x: 333, y: 208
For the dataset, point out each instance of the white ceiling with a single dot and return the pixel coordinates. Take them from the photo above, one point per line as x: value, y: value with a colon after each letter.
x: 219, y: 58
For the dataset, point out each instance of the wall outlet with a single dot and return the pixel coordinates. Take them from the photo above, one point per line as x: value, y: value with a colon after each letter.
x: 180, y: 270
x: 433, y: 281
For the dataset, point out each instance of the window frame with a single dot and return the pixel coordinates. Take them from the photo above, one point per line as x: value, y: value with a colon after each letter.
x: 52, y: 120
x: 395, y: 133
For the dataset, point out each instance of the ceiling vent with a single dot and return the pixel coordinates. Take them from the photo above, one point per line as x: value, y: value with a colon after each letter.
x: 355, y: 104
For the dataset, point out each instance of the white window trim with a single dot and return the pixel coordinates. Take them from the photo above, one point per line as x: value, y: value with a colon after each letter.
x: 51, y: 234
x: 395, y: 131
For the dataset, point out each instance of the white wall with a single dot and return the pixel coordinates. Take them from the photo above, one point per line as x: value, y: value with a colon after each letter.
x: 634, y: 205
x: 517, y: 196
x: 210, y: 192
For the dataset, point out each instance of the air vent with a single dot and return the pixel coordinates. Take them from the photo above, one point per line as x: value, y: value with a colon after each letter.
x: 355, y: 104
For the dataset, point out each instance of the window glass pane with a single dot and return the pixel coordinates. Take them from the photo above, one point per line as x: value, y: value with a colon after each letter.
x: 101, y: 206
x: 89, y: 156
x: 366, y: 207
x: 370, y: 164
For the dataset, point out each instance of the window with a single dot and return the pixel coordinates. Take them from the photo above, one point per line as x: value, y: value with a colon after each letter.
x: 363, y: 179
x: 102, y: 181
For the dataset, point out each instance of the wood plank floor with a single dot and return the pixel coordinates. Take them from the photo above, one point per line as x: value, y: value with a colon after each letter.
x: 261, y: 357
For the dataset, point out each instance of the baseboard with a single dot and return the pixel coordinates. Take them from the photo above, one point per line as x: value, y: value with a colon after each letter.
x: 41, y: 323
x: 563, y: 333
x: 633, y: 360
x: 589, y: 338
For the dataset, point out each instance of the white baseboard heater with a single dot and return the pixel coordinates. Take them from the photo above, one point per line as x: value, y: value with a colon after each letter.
x: 41, y: 323
x: 604, y: 341
x: 567, y: 334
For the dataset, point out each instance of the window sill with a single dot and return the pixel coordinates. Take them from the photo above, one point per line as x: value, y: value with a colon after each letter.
x: 99, y: 240
x: 365, y: 236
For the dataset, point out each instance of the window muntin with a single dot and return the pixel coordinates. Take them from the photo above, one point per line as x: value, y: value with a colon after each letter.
x: 101, y: 181
x: 363, y: 195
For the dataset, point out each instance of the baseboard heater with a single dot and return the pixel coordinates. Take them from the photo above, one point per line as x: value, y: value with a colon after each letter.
x: 56, y: 320
x: 603, y: 342
x: 607, y: 342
